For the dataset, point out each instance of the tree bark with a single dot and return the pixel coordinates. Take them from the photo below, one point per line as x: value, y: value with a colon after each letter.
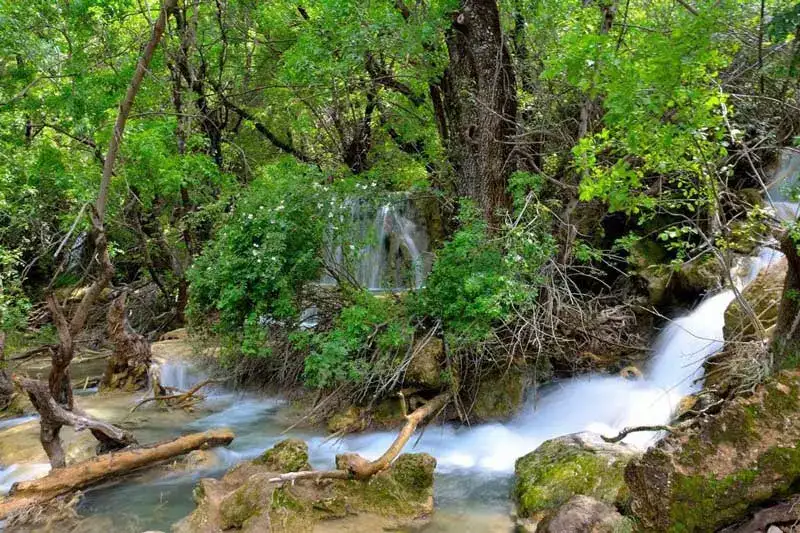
x: 6, y: 385
x: 353, y: 466
x: 128, y: 365
x: 54, y: 416
x: 480, y: 107
x: 98, y: 469
x: 786, y: 341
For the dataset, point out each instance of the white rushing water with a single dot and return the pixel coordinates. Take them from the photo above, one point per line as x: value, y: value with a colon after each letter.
x: 596, y: 403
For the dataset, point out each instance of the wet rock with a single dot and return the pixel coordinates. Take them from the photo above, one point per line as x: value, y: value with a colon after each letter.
x: 580, y: 464
x: 710, y: 476
x: 180, y: 334
x: 500, y: 397
x: 201, y: 460
x: 582, y: 514
x: 244, y: 499
x: 763, y: 294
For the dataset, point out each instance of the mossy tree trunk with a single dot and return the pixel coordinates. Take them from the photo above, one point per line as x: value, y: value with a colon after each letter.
x: 480, y: 106
x: 6, y: 386
x: 786, y: 340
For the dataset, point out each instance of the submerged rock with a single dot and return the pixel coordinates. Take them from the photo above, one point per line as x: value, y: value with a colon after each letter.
x: 713, y: 475
x: 580, y: 464
x: 245, y: 500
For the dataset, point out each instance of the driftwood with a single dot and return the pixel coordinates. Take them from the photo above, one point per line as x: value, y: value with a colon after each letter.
x: 353, y: 466
x: 180, y: 399
x: 54, y: 416
x: 128, y: 365
x: 79, y: 476
x: 627, y: 431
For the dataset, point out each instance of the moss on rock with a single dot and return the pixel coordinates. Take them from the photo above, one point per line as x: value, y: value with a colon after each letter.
x: 567, y: 466
x: 245, y: 500
x: 708, y: 477
x: 290, y: 455
x: 499, y: 398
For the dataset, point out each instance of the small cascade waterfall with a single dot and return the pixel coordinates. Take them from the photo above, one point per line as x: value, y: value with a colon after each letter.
x: 785, y: 177
x: 383, y: 246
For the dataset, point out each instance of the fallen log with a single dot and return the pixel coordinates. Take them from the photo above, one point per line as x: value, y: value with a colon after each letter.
x: 353, y: 466
x: 63, y: 481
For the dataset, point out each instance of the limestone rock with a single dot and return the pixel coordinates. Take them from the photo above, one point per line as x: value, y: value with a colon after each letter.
x: 710, y: 476
x: 763, y: 294
x: 580, y: 464
x: 244, y: 499
x: 290, y: 455
x: 426, y: 367
x: 582, y: 514
x: 500, y: 397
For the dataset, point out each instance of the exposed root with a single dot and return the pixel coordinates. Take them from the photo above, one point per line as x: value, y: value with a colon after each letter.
x: 627, y: 431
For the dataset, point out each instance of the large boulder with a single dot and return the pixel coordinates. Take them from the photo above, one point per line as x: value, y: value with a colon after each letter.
x: 245, y: 500
x: 711, y: 475
x: 580, y: 464
x: 499, y: 397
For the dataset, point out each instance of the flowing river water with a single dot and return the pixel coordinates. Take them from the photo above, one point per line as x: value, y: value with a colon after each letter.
x: 475, y: 465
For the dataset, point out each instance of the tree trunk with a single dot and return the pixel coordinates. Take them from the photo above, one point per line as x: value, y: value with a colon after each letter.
x: 480, y: 105
x: 59, y: 380
x: 54, y: 416
x: 128, y: 365
x: 786, y: 340
x: 98, y: 469
x: 6, y: 385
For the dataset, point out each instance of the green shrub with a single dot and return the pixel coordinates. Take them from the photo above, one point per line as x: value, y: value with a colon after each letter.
x: 265, y: 251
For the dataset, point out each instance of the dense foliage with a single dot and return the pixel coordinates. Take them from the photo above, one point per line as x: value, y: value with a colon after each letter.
x: 635, y: 125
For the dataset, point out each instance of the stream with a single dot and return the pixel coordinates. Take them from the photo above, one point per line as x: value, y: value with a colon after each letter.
x: 475, y: 464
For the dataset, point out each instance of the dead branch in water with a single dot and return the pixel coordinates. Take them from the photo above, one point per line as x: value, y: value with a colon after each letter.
x: 54, y: 416
x: 626, y: 431
x: 181, y: 398
x: 97, y: 469
x: 353, y: 466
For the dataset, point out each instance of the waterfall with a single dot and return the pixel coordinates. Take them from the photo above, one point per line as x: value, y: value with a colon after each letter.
x: 598, y: 403
x: 381, y: 247
x: 785, y: 177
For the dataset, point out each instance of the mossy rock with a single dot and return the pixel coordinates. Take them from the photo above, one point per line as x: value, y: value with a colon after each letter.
x: 647, y: 259
x: 567, y: 466
x: 290, y: 455
x: 499, y: 397
x: 426, y: 368
x: 245, y: 500
x: 764, y: 296
x: 710, y: 476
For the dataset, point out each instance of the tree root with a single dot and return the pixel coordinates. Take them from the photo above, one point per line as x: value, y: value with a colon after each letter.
x: 353, y: 466
x: 54, y: 416
x: 626, y: 431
